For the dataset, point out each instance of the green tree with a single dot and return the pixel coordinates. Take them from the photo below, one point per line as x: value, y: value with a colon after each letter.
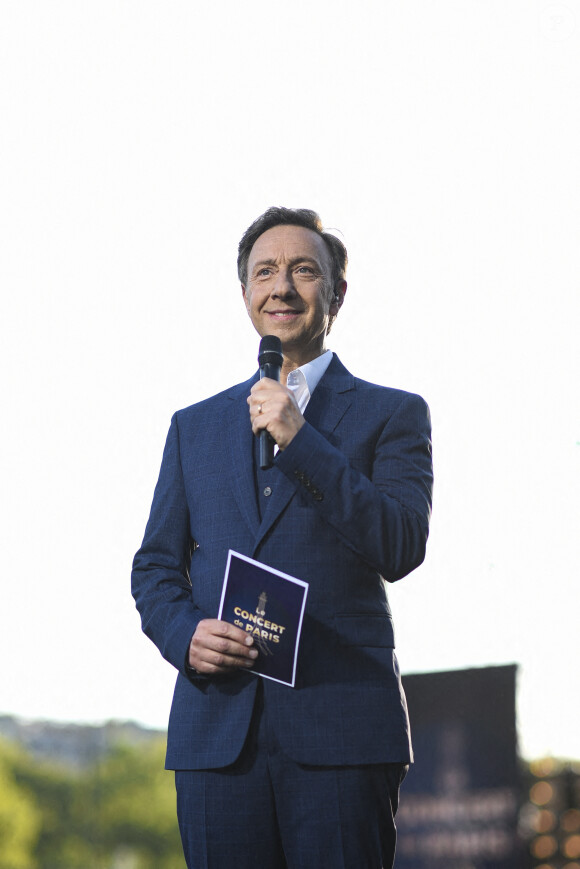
x: 136, y: 807
x: 117, y: 814
x: 58, y: 795
x: 19, y: 817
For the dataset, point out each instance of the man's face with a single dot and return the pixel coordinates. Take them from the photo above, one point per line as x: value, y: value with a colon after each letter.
x: 289, y: 290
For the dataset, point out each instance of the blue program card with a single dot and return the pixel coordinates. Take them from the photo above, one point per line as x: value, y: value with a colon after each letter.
x: 268, y: 605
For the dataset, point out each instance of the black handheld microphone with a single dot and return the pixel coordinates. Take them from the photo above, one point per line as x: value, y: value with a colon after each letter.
x: 270, y: 362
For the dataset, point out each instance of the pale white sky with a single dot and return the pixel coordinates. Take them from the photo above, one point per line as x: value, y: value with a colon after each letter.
x: 139, y: 140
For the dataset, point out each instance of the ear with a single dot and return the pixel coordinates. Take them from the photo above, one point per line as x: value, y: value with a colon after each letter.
x: 336, y: 301
x: 337, y: 298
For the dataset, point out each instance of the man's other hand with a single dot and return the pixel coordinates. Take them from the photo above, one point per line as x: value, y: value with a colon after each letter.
x: 219, y: 647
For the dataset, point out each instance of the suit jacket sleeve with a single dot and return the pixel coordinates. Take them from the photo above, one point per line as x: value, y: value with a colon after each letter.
x: 160, y: 578
x: 382, y: 517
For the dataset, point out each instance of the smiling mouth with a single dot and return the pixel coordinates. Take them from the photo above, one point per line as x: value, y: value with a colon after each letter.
x: 282, y: 314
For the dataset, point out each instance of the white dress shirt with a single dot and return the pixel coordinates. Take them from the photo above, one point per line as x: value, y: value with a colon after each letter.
x: 304, y: 380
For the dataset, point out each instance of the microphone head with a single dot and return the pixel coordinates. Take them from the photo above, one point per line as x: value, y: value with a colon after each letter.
x: 270, y: 352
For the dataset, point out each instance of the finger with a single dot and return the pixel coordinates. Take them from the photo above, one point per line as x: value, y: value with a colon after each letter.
x: 260, y: 415
x: 265, y: 389
x: 223, y: 637
x: 216, y: 662
x: 256, y: 405
x: 208, y: 661
x: 220, y: 628
x: 229, y: 648
x: 259, y: 421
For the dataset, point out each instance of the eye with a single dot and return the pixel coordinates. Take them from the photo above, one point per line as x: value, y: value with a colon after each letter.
x: 264, y: 273
x: 305, y: 270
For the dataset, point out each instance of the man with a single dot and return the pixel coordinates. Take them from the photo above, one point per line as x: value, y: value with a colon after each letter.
x: 270, y: 775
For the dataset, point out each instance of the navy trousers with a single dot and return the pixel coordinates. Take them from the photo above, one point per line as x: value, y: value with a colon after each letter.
x: 266, y: 810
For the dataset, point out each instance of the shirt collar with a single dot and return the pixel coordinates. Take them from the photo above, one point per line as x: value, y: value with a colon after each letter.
x: 305, y: 379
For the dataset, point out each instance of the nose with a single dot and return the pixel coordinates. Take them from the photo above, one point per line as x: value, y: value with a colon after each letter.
x: 283, y: 285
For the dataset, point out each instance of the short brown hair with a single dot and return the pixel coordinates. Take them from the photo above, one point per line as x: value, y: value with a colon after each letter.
x: 277, y: 216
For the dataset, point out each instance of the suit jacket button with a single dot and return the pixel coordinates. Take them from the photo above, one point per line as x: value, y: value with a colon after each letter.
x: 267, y: 491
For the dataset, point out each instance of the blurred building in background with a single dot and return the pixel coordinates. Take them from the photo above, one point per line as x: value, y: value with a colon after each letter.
x: 74, y: 745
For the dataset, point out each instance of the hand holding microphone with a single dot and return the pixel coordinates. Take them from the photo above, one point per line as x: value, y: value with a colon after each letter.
x: 270, y: 361
x: 273, y: 410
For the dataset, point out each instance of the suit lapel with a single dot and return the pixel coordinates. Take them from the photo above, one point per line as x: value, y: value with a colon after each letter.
x: 330, y: 401
x: 240, y: 455
x: 332, y: 398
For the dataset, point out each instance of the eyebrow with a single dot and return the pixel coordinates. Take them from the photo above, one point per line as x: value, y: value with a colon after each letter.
x: 293, y: 262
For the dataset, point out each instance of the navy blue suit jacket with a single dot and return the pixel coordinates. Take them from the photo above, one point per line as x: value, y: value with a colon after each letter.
x: 350, y: 506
